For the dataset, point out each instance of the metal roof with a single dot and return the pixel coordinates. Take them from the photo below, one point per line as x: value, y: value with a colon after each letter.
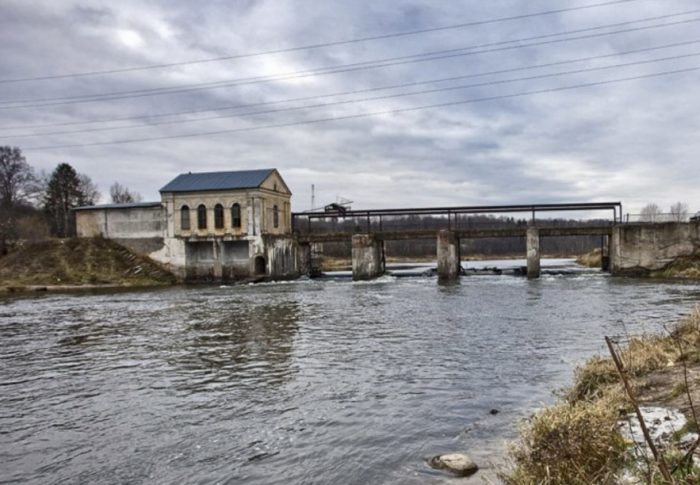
x: 195, y: 182
x: 131, y: 205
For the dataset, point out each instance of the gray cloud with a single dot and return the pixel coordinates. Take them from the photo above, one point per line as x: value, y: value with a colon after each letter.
x: 635, y: 141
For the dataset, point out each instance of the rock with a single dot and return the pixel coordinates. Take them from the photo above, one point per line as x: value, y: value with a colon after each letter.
x: 457, y: 463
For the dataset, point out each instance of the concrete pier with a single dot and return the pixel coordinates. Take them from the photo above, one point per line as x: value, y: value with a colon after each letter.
x: 533, y: 252
x: 605, y: 253
x: 367, y: 257
x: 310, y: 257
x: 449, y: 266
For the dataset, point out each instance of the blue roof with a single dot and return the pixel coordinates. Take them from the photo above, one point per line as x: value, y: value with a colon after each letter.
x: 195, y: 182
x: 130, y: 205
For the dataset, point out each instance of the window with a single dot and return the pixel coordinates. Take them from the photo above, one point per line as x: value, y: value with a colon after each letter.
x: 185, y: 218
x: 236, y: 215
x: 275, y: 216
x: 201, y: 217
x: 219, y: 216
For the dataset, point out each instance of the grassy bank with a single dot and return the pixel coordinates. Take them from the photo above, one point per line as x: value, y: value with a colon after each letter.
x: 578, y: 440
x: 78, y: 262
x: 594, y: 259
x: 686, y: 267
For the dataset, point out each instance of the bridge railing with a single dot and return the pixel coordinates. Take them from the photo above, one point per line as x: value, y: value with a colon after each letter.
x: 451, y: 218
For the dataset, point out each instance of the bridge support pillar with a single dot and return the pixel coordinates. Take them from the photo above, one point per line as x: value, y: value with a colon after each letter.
x: 367, y: 257
x: 310, y: 256
x: 605, y: 253
x: 533, y: 252
x: 449, y: 266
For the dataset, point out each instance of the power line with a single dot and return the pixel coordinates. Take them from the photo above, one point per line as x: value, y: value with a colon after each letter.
x: 380, y: 63
x: 344, y: 93
x: 370, y: 114
x: 362, y: 100
x: 315, y: 46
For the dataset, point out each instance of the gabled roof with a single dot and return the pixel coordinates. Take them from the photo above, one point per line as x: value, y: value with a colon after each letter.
x: 129, y: 205
x: 196, y: 182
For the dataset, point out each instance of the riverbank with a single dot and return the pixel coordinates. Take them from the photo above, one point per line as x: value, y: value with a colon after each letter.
x: 77, y: 264
x: 584, y: 439
x: 594, y: 259
x: 684, y: 267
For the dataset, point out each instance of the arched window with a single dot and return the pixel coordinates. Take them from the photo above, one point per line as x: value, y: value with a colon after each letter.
x: 185, y: 218
x: 201, y: 217
x: 236, y: 215
x: 275, y: 216
x: 219, y: 216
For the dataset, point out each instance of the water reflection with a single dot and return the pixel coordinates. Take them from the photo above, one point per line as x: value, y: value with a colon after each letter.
x: 234, y: 344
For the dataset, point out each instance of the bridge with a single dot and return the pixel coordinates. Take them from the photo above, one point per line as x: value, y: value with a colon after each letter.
x: 369, y: 229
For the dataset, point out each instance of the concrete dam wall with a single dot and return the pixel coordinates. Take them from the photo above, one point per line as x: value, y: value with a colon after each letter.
x: 637, y: 249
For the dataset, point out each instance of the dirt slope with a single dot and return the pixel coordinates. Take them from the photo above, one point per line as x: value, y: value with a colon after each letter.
x: 79, y: 261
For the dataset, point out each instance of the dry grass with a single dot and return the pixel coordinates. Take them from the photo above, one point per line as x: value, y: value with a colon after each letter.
x: 569, y: 443
x: 78, y: 261
x: 594, y: 259
x: 687, y: 267
x: 577, y: 440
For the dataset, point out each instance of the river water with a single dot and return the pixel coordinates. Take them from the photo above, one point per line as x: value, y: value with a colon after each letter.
x: 314, y: 381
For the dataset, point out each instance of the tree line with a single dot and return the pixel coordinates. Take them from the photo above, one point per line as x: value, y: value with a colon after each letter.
x: 35, y: 205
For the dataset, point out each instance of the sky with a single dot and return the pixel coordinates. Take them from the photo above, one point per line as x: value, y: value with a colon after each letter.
x: 541, y: 101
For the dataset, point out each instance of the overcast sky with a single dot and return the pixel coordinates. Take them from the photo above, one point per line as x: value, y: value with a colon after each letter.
x: 635, y: 141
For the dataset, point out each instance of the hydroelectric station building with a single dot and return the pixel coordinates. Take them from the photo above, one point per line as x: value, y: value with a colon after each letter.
x: 207, y: 226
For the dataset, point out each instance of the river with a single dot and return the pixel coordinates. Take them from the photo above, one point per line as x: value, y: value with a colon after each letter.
x: 312, y: 381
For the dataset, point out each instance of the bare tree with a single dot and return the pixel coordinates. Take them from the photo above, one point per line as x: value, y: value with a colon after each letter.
x: 87, y: 191
x: 122, y: 195
x: 679, y: 212
x: 650, y: 213
x: 17, y: 179
x: 17, y: 185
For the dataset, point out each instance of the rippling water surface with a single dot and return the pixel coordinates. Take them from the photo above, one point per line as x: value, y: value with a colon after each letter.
x: 324, y: 381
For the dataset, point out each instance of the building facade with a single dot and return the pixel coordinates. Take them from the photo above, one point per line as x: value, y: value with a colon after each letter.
x: 207, y: 227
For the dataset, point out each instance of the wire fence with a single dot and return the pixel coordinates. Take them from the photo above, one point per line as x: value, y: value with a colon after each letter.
x: 661, y: 217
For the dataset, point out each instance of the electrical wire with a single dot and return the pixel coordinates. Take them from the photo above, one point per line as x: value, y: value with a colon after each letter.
x: 362, y: 100
x: 349, y: 67
x: 345, y: 93
x: 313, y: 46
x: 365, y: 115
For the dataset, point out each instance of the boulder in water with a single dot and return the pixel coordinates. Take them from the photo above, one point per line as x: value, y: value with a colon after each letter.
x: 457, y: 463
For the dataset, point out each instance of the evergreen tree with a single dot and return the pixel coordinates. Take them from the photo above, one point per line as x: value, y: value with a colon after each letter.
x: 63, y: 193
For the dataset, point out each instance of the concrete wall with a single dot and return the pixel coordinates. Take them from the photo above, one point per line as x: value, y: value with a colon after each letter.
x: 282, y: 258
x: 636, y: 249
x: 172, y: 255
x: 131, y: 223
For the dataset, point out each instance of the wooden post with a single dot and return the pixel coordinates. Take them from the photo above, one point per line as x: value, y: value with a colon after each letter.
x: 661, y: 463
